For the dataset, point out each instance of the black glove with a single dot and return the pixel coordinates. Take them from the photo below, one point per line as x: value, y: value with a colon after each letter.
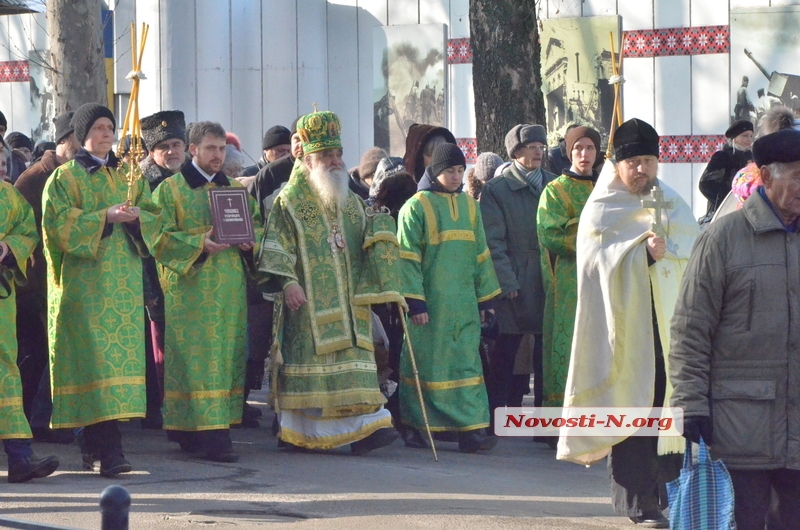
x: 695, y: 427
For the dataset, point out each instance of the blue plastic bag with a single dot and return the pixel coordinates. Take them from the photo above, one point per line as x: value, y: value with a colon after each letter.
x: 701, y: 498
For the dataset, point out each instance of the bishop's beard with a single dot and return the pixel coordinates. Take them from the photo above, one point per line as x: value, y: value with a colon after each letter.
x: 330, y: 185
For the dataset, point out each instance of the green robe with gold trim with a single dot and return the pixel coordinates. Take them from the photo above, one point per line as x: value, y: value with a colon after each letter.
x: 205, y: 306
x: 560, y: 208
x: 323, y: 352
x: 18, y: 231
x: 445, y: 263
x: 94, y: 295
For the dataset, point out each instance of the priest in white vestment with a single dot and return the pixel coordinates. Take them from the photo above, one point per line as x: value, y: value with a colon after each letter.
x: 628, y: 280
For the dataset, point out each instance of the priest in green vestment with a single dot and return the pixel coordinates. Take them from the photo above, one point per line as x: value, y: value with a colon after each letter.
x: 18, y: 238
x: 330, y: 257
x: 449, y: 281
x: 205, y: 304
x: 557, y: 218
x: 94, y: 243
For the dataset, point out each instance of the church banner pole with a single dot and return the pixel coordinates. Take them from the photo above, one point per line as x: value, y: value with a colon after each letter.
x: 616, y: 80
x: 417, y: 382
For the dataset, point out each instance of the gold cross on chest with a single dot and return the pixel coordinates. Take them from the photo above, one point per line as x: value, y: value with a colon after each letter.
x: 657, y: 203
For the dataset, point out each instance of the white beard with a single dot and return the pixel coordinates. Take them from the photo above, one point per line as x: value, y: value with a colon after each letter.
x: 331, y: 186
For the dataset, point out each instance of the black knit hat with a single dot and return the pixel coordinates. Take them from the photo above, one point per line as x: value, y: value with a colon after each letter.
x: 445, y: 156
x: 782, y: 146
x: 277, y: 135
x: 85, y: 117
x: 161, y: 126
x: 15, y: 140
x: 63, y: 126
x: 635, y: 138
x: 738, y: 127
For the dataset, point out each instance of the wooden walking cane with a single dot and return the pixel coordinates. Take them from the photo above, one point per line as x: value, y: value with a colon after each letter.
x: 416, y: 381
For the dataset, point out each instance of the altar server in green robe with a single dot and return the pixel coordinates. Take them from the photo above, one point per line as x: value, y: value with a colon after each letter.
x: 448, y: 281
x: 557, y: 218
x: 205, y: 304
x: 18, y: 238
x: 94, y: 243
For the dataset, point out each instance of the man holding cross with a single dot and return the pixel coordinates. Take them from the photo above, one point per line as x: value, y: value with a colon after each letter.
x: 634, y: 238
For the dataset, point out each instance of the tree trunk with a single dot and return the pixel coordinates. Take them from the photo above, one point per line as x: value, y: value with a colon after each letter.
x: 506, y: 69
x: 76, y: 53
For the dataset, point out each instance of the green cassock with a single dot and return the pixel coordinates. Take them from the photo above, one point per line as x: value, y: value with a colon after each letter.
x: 205, y: 306
x: 323, y: 356
x: 557, y: 227
x: 94, y: 295
x: 18, y: 231
x: 445, y: 263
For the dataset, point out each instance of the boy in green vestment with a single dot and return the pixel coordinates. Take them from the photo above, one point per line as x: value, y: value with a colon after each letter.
x: 94, y: 242
x: 18, y: 238
x: 557, y: 218
x: 205, y: 304
x: 448, y: 281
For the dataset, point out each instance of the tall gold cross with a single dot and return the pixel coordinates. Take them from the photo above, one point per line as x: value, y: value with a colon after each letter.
x: 657, y: 203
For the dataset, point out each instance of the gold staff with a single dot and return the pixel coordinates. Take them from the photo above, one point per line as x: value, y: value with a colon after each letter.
x: 132, y: 123
x: 416, y: 381
x: 616, y: 80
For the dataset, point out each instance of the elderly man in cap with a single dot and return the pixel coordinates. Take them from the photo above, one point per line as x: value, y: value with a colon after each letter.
x: 317, y: 251
x: 735, y: 360
x: 93, y: 242
x: 275, y: 145
x: 628, y: 278
x: 508, y: 205
x: 32, y: 298
x: 164, y: 134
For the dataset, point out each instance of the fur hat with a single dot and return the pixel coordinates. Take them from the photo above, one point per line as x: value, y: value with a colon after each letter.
x: 738, y: 127
x: 635, y: 138
x: 576, y: 133
x: 86, y: 115
x: 277, y: 135
x: 485, y: 166
x: 162, y: 126
x: 445, y: 156
x: 369, y: 162
x: 524, y: 134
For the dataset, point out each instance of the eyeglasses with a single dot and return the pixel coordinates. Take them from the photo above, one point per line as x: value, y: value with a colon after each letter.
x: 534, y: 148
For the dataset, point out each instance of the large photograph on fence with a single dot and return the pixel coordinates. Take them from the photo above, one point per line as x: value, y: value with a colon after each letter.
x: 576, y: 67
x: 765, y: 60
x: 409, y: 81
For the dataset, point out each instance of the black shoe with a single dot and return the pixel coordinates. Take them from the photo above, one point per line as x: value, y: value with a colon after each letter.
x: 415, y: 440
x: 113, y: 465
x: 91, y: 462
x: 53, y: 436
x: 31, y: 467
x: 445, y: 436
x: 276, y: 426
x: 227, y: 456
x: 471, y: 441
x: 251, y: 412
x: 380, y: 438
x: 152, y: 421
x: 651, y: 520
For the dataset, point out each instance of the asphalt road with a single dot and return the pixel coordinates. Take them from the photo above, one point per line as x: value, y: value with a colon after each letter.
x: 519, y: 484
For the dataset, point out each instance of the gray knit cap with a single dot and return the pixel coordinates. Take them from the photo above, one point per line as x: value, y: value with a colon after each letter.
x: 485, y: 166
x: 524, y: 134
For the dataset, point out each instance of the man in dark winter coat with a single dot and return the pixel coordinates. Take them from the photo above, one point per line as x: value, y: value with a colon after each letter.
x: 508, y: 205
x: 275, y: 145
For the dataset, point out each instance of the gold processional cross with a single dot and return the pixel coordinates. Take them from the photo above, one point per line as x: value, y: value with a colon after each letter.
x: 132, y: 123
x: 657, y: 203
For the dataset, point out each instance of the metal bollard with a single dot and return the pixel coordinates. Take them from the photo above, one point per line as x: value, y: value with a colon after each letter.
x: 115, y: 504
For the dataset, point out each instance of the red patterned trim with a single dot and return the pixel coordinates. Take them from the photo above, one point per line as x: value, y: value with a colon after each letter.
x: 13, y: 71
x: 470, y: 148
x: 697, y: 149
x: 459, y: 51
x: 677, y: 41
